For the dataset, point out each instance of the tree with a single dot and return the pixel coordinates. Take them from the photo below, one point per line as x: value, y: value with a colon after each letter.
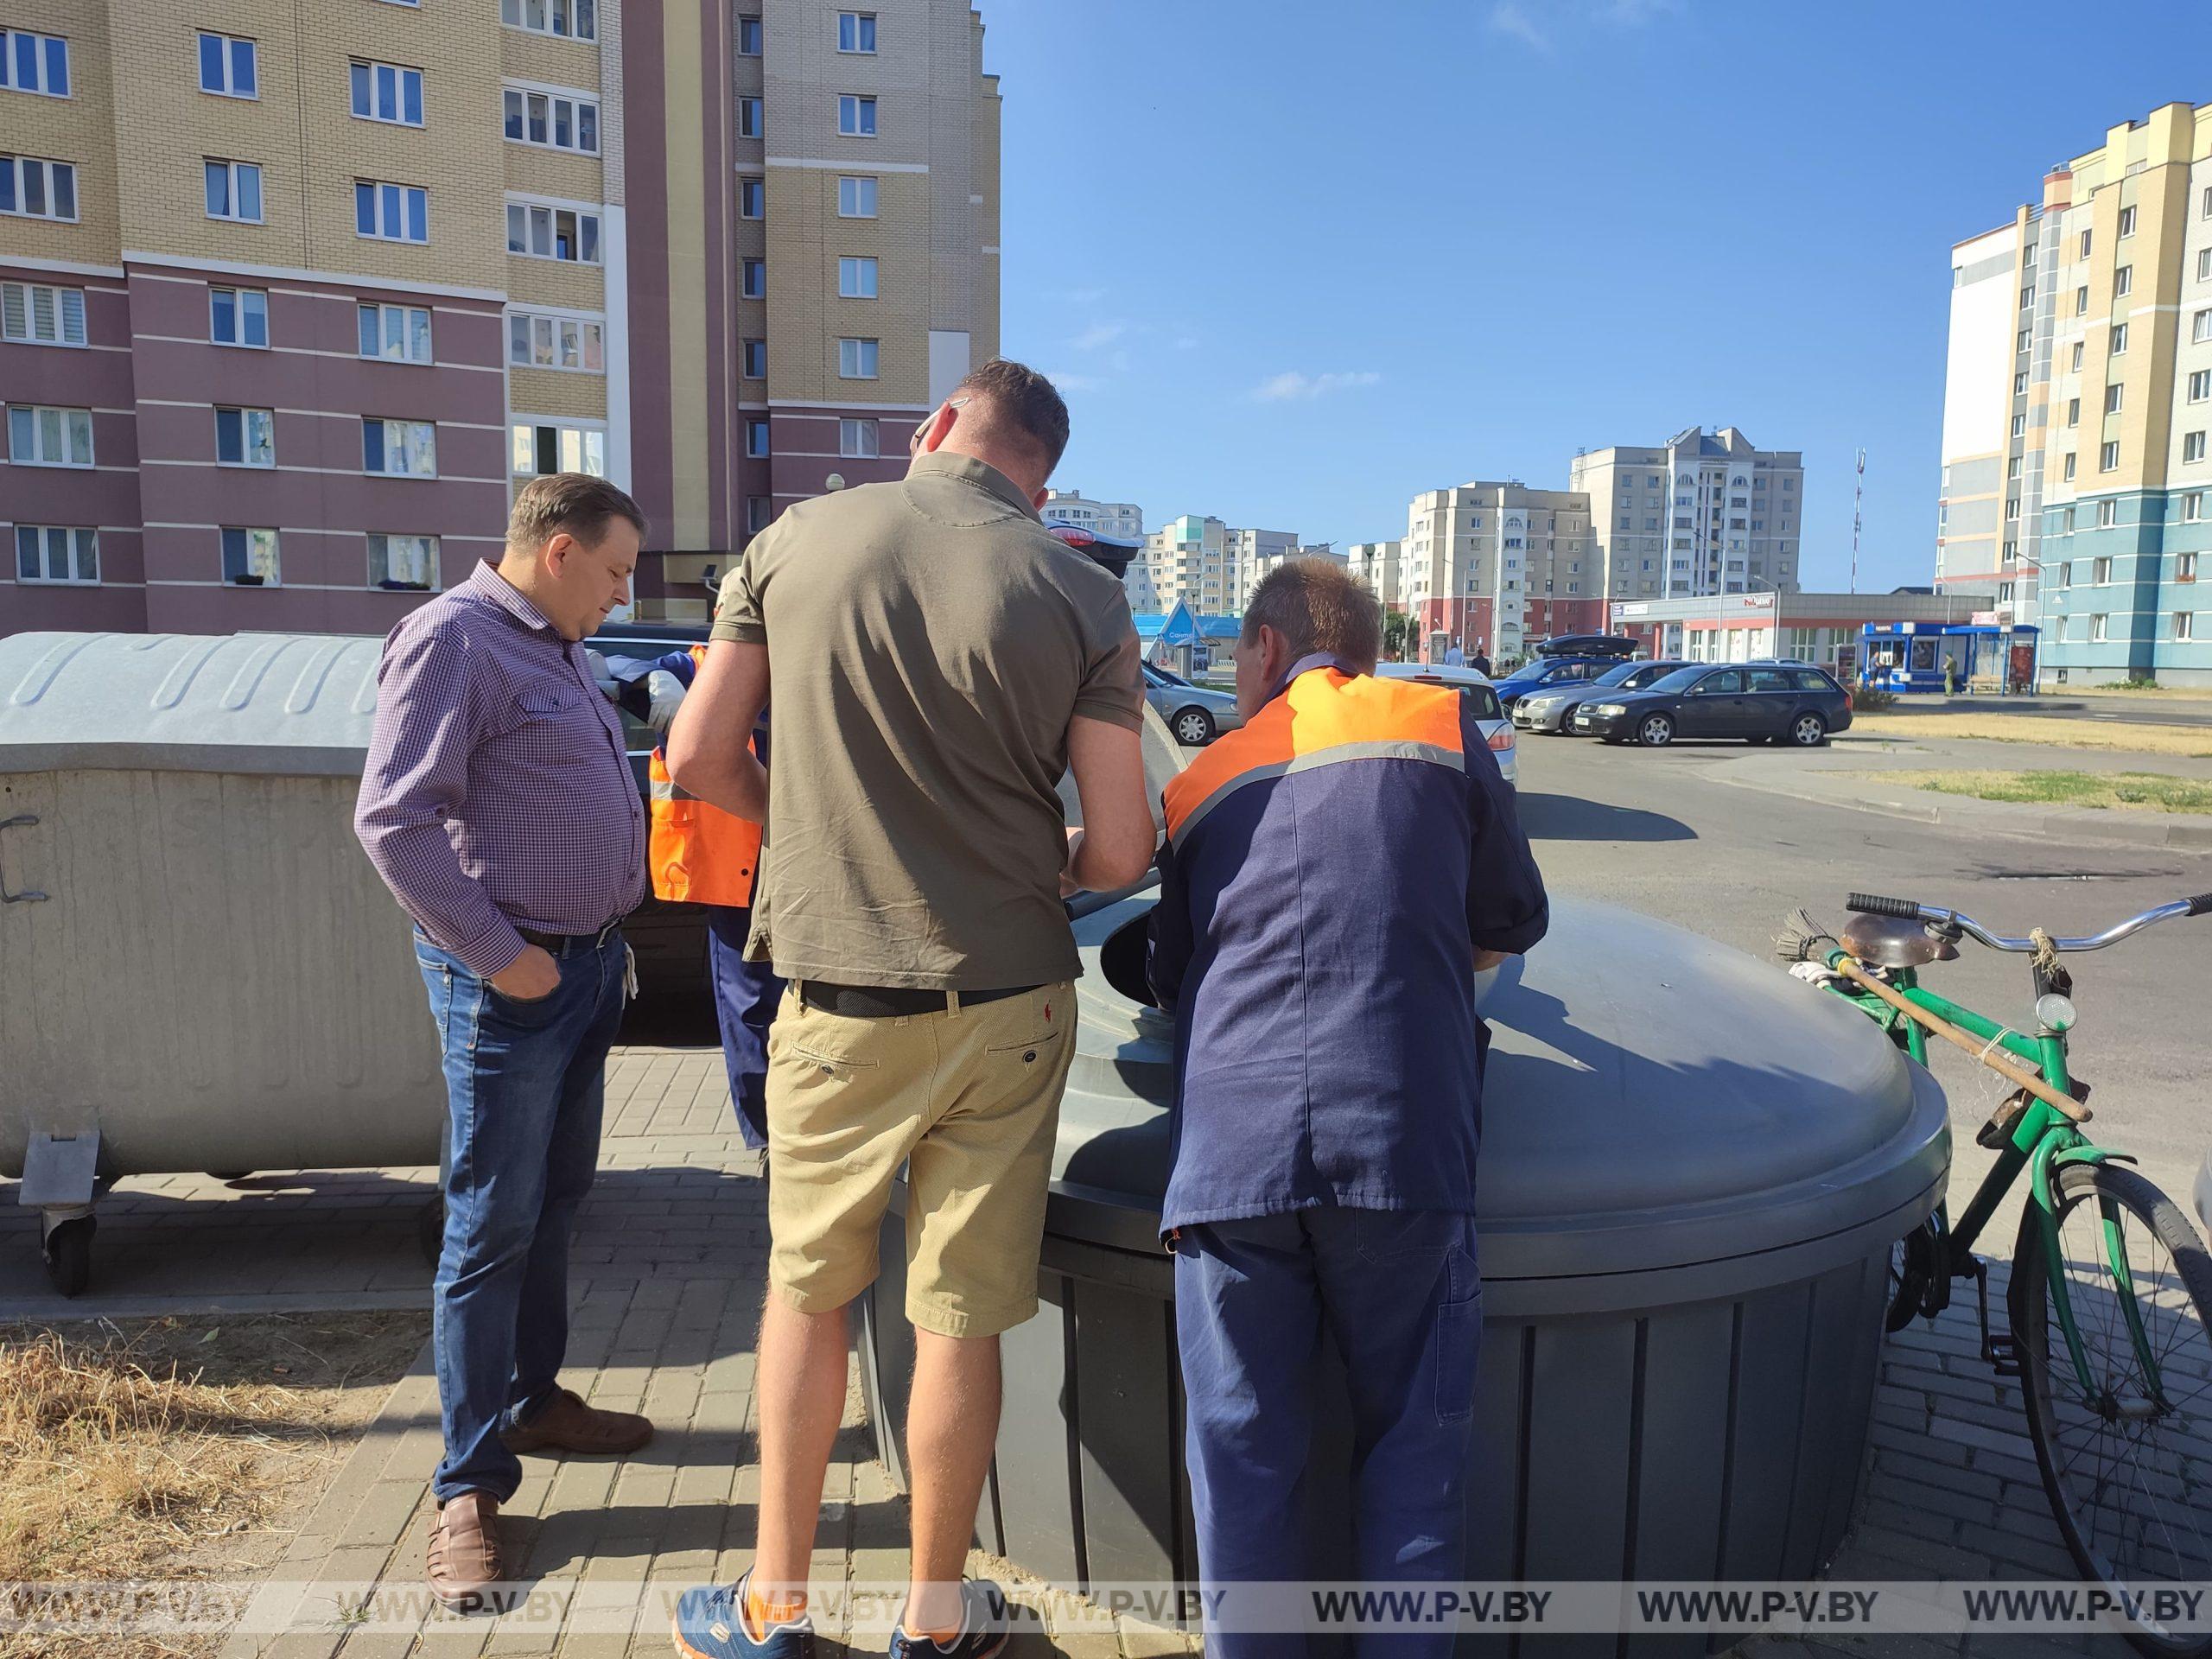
x: 1397, y: 627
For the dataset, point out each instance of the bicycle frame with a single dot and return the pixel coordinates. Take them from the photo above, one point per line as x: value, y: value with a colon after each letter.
x: 2041, y: 1141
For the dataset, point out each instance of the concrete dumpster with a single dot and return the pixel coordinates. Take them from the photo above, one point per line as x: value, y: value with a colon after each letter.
x: 1692, y: 1169
x: 203, y: 971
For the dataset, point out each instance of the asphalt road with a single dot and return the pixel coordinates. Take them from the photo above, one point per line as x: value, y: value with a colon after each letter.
x: 1647, y: 829
x: 2140, y: 711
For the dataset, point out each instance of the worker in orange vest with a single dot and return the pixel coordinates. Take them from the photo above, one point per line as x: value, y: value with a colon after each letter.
x: 703, y: 856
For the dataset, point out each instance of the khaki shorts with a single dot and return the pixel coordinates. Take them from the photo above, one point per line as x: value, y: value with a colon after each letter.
x: 969, y: 1101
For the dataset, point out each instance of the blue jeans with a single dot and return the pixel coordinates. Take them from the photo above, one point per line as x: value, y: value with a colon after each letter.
x: 745, y: 995
x: 1398, y: 1293
x: 525, y: 1089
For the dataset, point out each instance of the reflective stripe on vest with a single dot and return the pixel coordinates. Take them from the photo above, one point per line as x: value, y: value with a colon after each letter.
x: 700, y: 854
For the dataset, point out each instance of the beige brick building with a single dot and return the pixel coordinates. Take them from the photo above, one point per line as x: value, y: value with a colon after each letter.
x: 296, y: 292
x: 1500, y: 567
x: 1704, y: 512
x: 1380, y: 566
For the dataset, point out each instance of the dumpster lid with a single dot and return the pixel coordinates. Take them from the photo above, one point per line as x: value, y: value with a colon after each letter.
x: 1652, y: 1099
x: 250, y: 703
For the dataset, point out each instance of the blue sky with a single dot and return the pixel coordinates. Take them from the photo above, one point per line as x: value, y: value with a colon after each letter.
x: 1294, y: 262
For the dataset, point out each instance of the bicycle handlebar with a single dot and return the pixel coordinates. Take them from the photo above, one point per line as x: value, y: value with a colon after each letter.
x: 1872, y: 904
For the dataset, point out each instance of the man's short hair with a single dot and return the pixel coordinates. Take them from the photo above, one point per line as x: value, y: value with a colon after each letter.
x: 1319, y: 605
x: 572, y: 504
x: 1023, y: 409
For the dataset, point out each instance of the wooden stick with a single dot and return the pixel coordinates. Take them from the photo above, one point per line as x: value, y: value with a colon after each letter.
x: 1989, y: 1054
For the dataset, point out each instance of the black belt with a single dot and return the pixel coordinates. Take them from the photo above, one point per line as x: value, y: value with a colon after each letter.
x: 891, y: 1001
x: 565, y: 944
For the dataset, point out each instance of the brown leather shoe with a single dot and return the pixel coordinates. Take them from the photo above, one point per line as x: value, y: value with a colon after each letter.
x: 467, y: 1573
x: 564, y: 1423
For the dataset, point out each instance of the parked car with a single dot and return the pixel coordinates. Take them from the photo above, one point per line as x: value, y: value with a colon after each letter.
x: 1196, y: 713
x: 1477, y: 690
x: 1759, y: 703
x: 1551, y: 707
x: 1541, y: 671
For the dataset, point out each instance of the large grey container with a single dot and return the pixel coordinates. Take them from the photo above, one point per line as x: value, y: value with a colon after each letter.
x: 1693, y: 1168
x: 215, y: 979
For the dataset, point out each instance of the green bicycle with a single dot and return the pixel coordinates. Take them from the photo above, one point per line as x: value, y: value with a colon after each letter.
x: 2111, y: 1288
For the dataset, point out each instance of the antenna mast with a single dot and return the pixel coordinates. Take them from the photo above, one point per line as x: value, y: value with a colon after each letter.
x: 1857, y: 503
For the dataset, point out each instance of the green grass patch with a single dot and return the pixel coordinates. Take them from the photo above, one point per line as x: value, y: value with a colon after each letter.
x: 2144, y: 791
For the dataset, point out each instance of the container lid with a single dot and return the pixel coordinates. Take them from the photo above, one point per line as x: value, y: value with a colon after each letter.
x: 249, y: 702
x: 1653, y: 1100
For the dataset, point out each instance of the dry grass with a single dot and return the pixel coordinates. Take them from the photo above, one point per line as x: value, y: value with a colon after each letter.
x: 2142, y: 791
x: 175, y: 1450
x: 2126, y: 737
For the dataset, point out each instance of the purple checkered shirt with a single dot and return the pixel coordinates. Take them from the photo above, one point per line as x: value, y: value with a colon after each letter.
x: 498, y: 793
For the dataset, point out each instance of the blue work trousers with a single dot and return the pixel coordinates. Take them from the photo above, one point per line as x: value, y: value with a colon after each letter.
x: 745, y: 995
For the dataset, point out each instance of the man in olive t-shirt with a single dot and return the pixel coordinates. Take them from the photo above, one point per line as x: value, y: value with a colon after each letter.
x: 937, y: 661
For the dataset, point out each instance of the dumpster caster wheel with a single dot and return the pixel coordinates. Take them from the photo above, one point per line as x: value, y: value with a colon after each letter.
x: 430, y: 1230
x: 228, y: 1174
x: 69, y: 1253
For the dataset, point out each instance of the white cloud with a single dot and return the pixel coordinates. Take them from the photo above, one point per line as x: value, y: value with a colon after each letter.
x: 1098, y: 335
x: 1633, y: 13
x: 1186, y: 343
x: 1072, y: 382
x: 1508, y: 18
x: 1291, y: 386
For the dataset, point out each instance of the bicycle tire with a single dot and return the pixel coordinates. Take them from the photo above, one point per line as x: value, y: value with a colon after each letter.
x: 2029, y: 1307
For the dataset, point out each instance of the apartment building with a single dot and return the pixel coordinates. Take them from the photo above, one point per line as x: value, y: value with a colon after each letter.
x: 1122, y: 518
x: 1251, y: 554
x: 294, y: 294
x: 1379, y: 565
x: 1704, y: 512
x: 2077, y: 400
x: 1500, y: 566
x: 1187, y: 559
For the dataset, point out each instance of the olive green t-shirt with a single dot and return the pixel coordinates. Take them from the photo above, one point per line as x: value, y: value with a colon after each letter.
x: 928, y: 643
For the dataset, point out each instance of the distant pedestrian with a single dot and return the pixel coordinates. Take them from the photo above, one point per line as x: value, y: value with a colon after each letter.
x: 499, y: 805
x: 1454, y: 656
x: 1950, y: 675
x: 1480, y: 661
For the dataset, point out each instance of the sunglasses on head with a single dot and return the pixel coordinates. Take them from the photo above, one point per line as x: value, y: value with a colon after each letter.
x: 914, y: 439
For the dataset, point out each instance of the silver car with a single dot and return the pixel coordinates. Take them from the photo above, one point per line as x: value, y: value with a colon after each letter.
x: 1196, y: 713
x: 1474, y: 689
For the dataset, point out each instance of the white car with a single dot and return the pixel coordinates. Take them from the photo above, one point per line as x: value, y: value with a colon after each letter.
x: 1475, y: 689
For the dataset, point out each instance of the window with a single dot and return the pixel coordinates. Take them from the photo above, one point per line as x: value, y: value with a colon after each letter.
x: 405, y: 448
x: 2069, y: 466
x: 759, y: 509
x: 548, y: 232
x: 755, y: 279
x: 33, y: 63
x: 2118, y: 339
x: 578, y: 18
x: 553, y: 120
x: 2204, y: 264
x: 227, y: 67
x: 2114, y: 396
x: 856, y: 31
x: 2019, y: 386
x: 2067, y: 521
x: 2012, y: 508
x: 2204, y: 210
x: 858, y: 440
x: 2019, y: 424
x: 748, y: 37
x: 250, y: 557
x: 753, y: 198
x: 2199, y: 327
x: 2073, y: 411
x: 245, y: 437
x: 2028, y: 295
x: 2127, y: 222
x: 856, y: 115
x: 2077, y: 365
x: 384, y: 92
x: 2097, y: 628
x: 2101, y: 571
x: 2200, y: 385
x: 41, y: 436
x: 238, y: 317
x: 855, y: 278
x: 396, y: 334
x: 2192, y: 511
x: 403, y: 563
x: 2185, y: 567
x: 544, y: 342
x: 2020, y: 343
x: 540, y: 448
x: 2108, y: 457
x: 30, y: 189
x: 2107, y: 515
x: 2184, y: 624
x: 2123, y: 282
x: 855, y: 197
x: 756, y: 360
x: 394, y: 213
x: 856, y: 359
x: 48, y: 553
x: 32, y: 313
x: 2081, y: 301
x: 2085, y: 245
x: 234, y: 191
x: 756, y: 438
x: 2192, y: 447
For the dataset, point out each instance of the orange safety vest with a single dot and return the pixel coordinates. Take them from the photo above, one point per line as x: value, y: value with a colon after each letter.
x: 700, y: 854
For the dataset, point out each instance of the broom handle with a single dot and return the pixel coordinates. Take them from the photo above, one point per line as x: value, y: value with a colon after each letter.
x: 1987, y: 1053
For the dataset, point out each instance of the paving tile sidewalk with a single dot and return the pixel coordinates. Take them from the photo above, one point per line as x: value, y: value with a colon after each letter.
x: 670, y: 1265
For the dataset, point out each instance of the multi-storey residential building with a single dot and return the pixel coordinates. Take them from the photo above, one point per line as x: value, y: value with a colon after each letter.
x: 1123, y: 519
x: 1500, y: 566
x: 2077, y: 400
x: 1187, y: 560
x: 291, y: 298
x: 1706, y: 512
x: 1251, y: 554
x: 1379, y: 565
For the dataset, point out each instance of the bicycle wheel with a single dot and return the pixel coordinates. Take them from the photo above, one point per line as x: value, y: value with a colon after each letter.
x: 2127, y: 1466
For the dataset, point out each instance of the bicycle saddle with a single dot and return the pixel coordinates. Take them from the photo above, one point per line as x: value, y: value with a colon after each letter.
x: 1892, y: 942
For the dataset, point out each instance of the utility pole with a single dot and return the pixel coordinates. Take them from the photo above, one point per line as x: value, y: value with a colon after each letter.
x: 1857, y: 503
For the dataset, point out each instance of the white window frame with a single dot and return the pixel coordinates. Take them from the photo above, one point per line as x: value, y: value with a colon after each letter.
x: 2126, y: 223
x: 864, y: 28
x: 861, y: 106
x: 2123, y: 282
x: 19, y: 315
x: 40, y: 84
x: 50, y: 173
x: 566, y: 20
x: 545, y: 212
x: 2097, y: 627
x: 752, y: 115
x: 2115, y: 397
x: 2200, y: 385
x: 2119, y: 344
x: 745, y: 369
x: 558, y: 334
x: 404, y: 318
x: 2192, y: 511
x: 2101, y: 571
x: 2185, y: 567
x: 399, y: 439
x: 860, y: 358
x: 78, y: 549
x: 421, y: 549
x: 862, y: 184
x: 234, y: 173
x: 2075, y: 366
x: 2192, y: 447
x: 2204, y: 264
x: 257, y: 457
x: 389, y: 219
x: 745, y: 267
x: 583, y: 442
x: 244, y: 302
x: 2200, y: 326
x: 2108, y: 514
x: 67, y: 430
x: 753, y: 197
x: 522, y: 103
x: 376, y: 68
x: 229, y: 58
x: 860, y: 440
x: 260, y: 547
x: 2184, y: 624
x: 858, y: 276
